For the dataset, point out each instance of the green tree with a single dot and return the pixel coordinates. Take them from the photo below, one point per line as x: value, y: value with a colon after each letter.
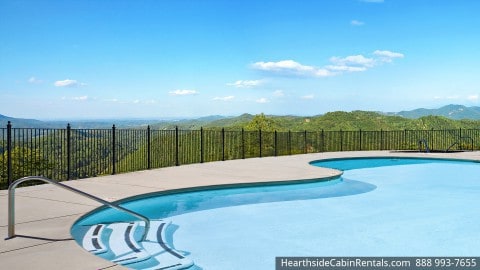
x: 25, y: 162
x: 262, y: 122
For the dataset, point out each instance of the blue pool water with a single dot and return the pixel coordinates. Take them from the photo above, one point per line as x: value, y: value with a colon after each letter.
x: 379, y: 207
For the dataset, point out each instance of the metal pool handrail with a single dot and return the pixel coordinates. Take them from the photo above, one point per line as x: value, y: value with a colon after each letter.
x: 425, y: 142
x: 458, y: 142
x: 11, y: 203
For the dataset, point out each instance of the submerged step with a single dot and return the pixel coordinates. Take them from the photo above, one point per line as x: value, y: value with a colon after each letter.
x: 92, y: 240
x: 123, y: 244
x: 156, y: 246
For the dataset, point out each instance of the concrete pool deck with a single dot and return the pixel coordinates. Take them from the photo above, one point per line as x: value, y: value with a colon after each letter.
x: 45, y: 213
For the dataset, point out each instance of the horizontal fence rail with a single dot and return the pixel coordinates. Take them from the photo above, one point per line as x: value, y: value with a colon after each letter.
x: 65, y: 154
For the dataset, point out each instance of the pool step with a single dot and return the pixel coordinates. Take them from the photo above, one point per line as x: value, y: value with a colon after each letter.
x: 121, y: 243
x: 92, y: 240
x: 156, y: 246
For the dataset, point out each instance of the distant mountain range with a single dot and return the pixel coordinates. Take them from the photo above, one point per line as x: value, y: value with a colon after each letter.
x: 32, y: 123
x: 22, y: 123
x: 454, y: 112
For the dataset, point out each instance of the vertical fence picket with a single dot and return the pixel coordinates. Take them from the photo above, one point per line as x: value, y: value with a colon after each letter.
x: 9, y: 153
x: 113, y: 151
x: 275, y: 147
x: 201, y: 145
x: 177, y: 162
x: 260, y: 142
x: 69, y: 152
x: 223, y: 144
x: 289, y: 144
x: 305, y: 150
x: 149, y: 148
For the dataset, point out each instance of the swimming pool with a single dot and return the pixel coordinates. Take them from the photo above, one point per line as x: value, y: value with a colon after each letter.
x: 379, y: 207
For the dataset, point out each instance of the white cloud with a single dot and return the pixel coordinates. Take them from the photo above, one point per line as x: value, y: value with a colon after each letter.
x: 282, y: 65
x: 339, y: 65
x: 183, y: 92
x: 34, y: 80
x: 353, y: 60
x: 357, y: 23
x: 346, y: 68
x: 68, y: 83
x: 311, y: 96
x: 262, y: 100
x: 245, y: 84
x: 473, y: 97
x: 291, y: 67
x: 227, y: 98
x: 278, y: 93
x: 387, y: 56
x: 353, y: 63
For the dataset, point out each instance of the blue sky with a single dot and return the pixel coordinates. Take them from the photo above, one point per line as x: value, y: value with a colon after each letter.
x: 83, y: 59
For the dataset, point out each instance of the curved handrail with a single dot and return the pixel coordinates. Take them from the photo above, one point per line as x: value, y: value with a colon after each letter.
x: 458, y: 142
x: 452, y: 145
x: 424, y: 141
x: 11, y: 203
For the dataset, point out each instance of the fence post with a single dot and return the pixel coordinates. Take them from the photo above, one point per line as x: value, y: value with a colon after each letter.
x: 149, y: 148
x: 114, y: 169
x: 289, y: 142
x: 260, y: 141
x: 360, y: 139
x: 69, y: 152
x: 201, y: 144
x: 223, y: 144
x: 177, y: 162
x: 275, y: 142
x: 243, y: 143
x: 305, y: 141
x: 322, y: 135
x: 459, y: 139
x: 381, y: 140
x: 9, y: 153
x: 341, y: 140
x: 432, y: 139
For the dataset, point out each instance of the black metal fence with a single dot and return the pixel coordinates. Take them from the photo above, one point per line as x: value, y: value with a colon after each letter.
x: 65, y: 154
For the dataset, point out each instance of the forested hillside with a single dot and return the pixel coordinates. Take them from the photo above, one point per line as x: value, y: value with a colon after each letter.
x: 330, y: 121
x: 451, y: 111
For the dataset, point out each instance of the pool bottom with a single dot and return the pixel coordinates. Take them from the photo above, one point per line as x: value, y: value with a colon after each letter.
x: 402, y: 217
